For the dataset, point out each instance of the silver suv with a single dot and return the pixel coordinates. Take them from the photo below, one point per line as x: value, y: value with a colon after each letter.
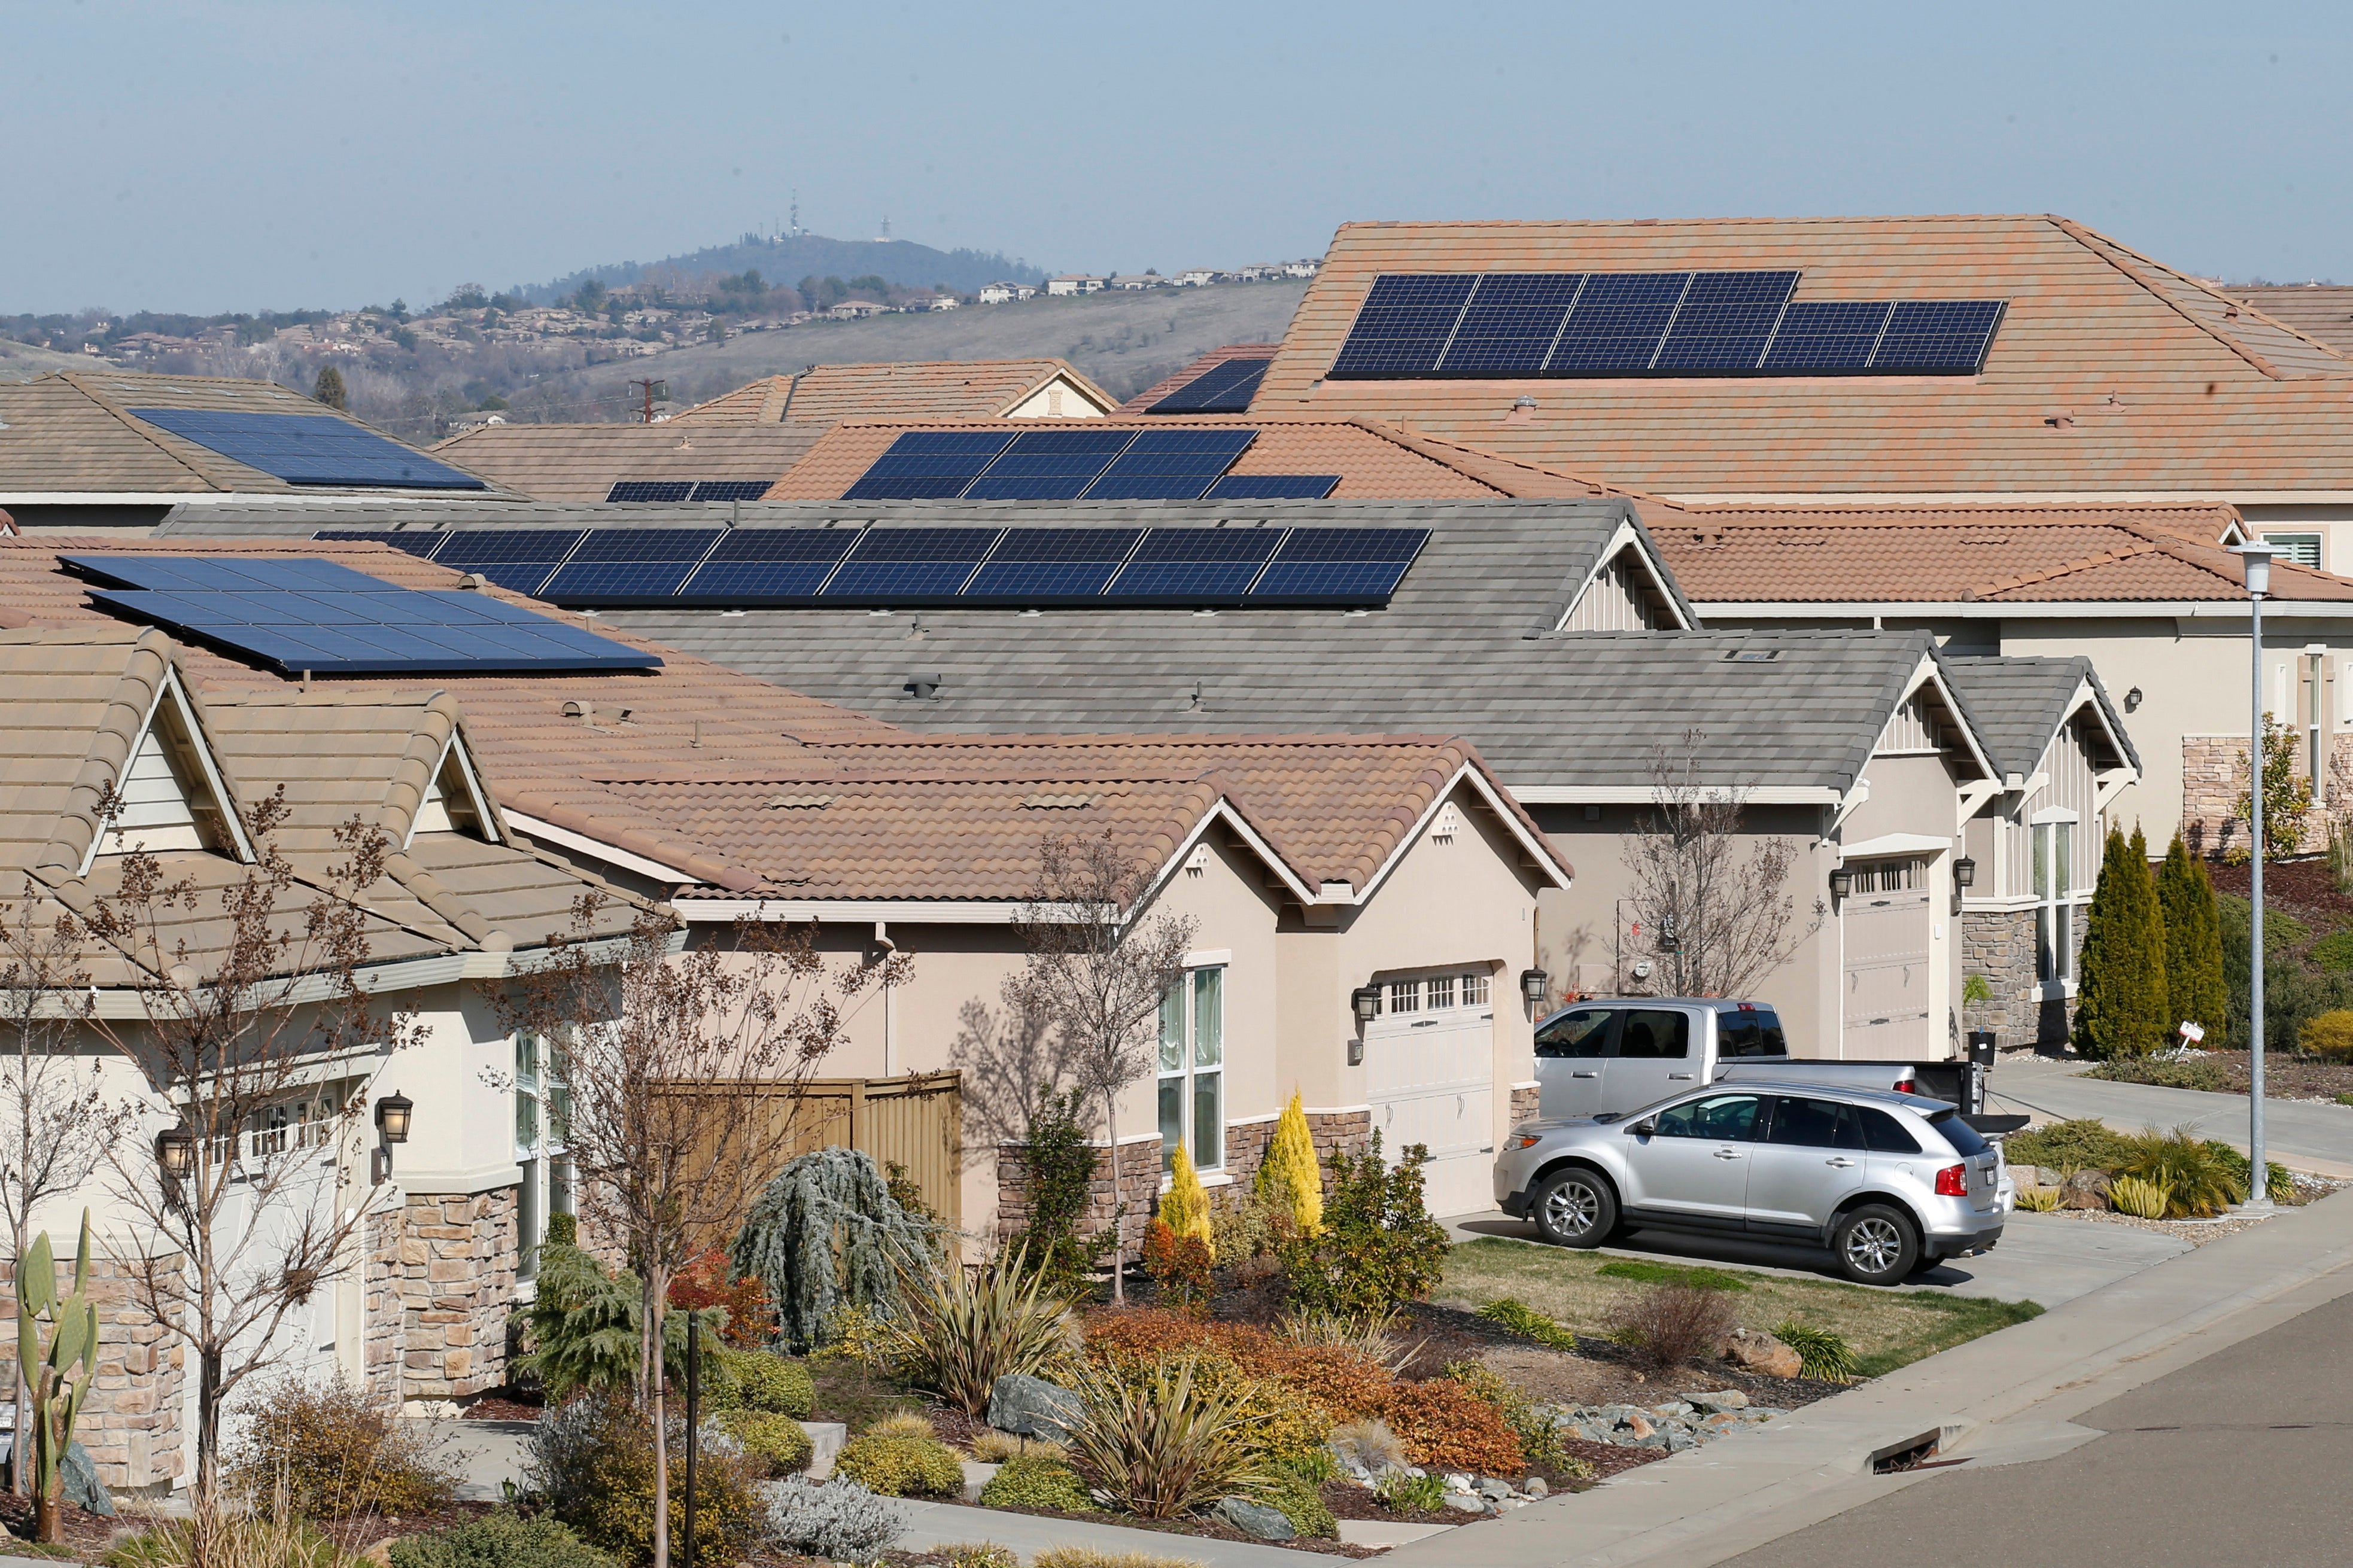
x: 1890, y: 1183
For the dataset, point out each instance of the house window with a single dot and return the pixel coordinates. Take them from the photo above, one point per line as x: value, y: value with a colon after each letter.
x: 1405, y: 995
x: 2055, y: 898
x: 1442, y: 990
x: 2303, y: 549
x: 1474, y: 990
x: 1192, y: 1069
x: 542, y: 1110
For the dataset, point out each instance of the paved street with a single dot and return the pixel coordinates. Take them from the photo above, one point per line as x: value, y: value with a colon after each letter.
x: 2238, y: 1459
x: 2297, y: 1130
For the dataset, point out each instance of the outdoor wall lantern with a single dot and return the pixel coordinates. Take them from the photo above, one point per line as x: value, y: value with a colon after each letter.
x: 1841, y: 882
x: 1532, y: 986
x: 1964, y: 872
x: 175, y: 1152
x: 2133, y: 701
x: 392, y: 1113
x: 1366, y: 1000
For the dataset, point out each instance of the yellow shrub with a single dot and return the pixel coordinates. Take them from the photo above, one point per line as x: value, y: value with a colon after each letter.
x: 2328, y: 1034
x: 1184, y: 1208
x: 1289, y: 1178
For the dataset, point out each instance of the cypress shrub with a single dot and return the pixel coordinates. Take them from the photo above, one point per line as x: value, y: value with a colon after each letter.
x: 1184, y: 1206
x: 1288, y: 1178
x: 331, y: 388
x: 2193, y: 943
x: 2120, y: 1002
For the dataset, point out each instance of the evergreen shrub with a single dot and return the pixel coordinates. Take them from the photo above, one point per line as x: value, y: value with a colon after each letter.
x: 2120, y: 1002
x: 1287, y: 1178
x: 2194, y: 985
x: 1377, y: 1246
x: 500, y: 1539
x: 902, y: 1467
x: 1036, y: 1481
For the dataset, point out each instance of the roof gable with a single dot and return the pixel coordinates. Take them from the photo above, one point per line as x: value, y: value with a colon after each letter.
x: 933, y: 389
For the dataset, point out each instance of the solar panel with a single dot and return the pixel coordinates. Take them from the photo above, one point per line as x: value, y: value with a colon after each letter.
x: 1274, y: 487
x: 517, y: 558
x: 1049, y: 465
x: 1509, y: 326
x: 1403, y: 326
x: 1825, y: 336
x: 320, y: 616
x: 1226, y: 387
x: 1039, y: 565
x: 754, y: 565
x: 1936, y: 337
x: 1195, y: 565
x: 649, y: 489
x: 928, y: 465
x: 1619, y: 321
x: 1174, y: 465
x: 1724, y: 322
x: 1339, y: 565
x: 910, y: 566
x: 421, y: 542
x: 310, y: 448
x: 615, y: 565
x: 731, y: 490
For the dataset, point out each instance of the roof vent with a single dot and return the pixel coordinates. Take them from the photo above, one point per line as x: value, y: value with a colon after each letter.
x: 1043, y: 802
x: 1752, y: 655
x: 923, y: 685
x: 799, y: 802
x: 473, y: 581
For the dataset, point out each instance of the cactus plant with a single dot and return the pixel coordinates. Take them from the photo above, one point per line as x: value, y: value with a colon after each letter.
x: 57, y: 1372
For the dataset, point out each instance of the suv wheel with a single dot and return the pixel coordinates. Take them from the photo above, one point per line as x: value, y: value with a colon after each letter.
x: 1876, y: 1244
x: 1575, y: 1208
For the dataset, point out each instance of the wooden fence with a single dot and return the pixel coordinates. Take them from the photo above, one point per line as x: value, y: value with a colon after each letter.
x: 915, y: 1121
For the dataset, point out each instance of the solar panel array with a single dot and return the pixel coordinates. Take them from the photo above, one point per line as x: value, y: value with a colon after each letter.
x: 1561, y: 325
x: 910, y: 567
x: 1055, y: 464
x: 686, y: 489
x: 328, y: 619
x: 1226, y: 387
x: 310, y: 448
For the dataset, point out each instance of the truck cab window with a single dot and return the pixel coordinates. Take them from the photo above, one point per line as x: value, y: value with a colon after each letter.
x: 1655, y: 1034
x: 1580, y: 1034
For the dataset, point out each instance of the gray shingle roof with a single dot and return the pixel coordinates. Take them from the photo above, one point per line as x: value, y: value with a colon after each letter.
x: 2018, y: 703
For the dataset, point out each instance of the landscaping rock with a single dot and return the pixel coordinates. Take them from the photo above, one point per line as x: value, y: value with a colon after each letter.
x: 2085, y: 1190
x: 1456, y: 1482
x: 1755, y: 1351
x: 1721, y: 1400
x: 1468, y: 1502
x: 1536, y: 1486
x: 1491, y: 1488
x: 1256, y: 1520
x: 1635, y: 1422
x: 1032, y: 1407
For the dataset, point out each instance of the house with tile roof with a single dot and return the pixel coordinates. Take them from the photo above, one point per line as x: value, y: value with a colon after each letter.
x: 1169, y: 385
x: 109, y: 448
x: 2108, y: 378
x: 125, y: 761
x: 826, y: 395
x: 657, y: 462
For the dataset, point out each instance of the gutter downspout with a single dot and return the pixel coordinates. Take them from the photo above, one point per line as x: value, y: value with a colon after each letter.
x: 889, y: 1002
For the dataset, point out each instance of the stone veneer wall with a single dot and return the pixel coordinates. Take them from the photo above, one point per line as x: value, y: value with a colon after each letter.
x: 2212, y: 775
x: 440, y: 1281
x: 1527, y: 1102
x: 1999, y: 946
x: 1138, y: 1188
x: 130, y: 1422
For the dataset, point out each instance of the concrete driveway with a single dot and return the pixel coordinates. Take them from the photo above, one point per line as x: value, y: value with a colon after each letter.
x: 2317, y: 1137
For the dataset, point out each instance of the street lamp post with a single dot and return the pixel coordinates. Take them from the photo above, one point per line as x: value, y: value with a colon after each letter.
x: 2257, y: 560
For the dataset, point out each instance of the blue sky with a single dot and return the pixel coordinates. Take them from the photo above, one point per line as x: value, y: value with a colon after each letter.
x: 239, y: 155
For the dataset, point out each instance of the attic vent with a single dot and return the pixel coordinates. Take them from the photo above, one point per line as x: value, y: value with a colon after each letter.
x: 799, y: 802
x: 1449, y: 823
x: 1802, y: 538
x: 1059, y: 802
x: 1752, y: 655
x: 1985, y: 539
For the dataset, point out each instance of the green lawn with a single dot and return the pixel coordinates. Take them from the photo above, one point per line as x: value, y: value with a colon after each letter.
x: 1887, y: 1328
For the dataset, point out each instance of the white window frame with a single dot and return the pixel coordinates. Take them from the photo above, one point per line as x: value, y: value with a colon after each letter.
x: 1192, y: 1061
x: 541, y: 1102
x: 2051, y: 849
x: 2295, y: 548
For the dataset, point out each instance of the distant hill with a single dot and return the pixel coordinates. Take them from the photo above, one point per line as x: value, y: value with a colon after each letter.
x: 786, y: 261
x: 1124, y: 342
x: 23, y: 362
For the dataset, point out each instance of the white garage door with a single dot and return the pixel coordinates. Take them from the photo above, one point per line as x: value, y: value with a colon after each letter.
x: 1431, y: 1077
x: 1886, y: 923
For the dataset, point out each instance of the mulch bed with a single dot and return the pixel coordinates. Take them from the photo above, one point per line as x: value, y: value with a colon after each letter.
x: 85, y: 1533
x: 502, y: 1404
x: 2303, y: 887
x: 1347, y: 1500
x: 2285, y: 1077
x: 360, y: 1531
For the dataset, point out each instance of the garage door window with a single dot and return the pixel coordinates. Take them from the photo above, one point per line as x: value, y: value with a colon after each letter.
x: 1192, y: 1071
x: 2054, y: 913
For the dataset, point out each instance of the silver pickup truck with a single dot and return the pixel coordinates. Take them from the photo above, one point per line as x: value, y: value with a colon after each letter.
x: 1621, y: 1054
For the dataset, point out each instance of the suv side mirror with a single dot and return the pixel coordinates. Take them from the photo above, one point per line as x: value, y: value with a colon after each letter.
x: 1643, y: 1129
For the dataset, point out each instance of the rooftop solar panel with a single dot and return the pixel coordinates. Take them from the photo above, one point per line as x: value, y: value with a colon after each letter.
x: 1195, y: 565
x: 731, y: 490
x: 1050, y: 465
x: 1618, y: 322
x: 649, y: 489
x: 1404, y: 325
x: 776, y: 565
x: 929, y: 464
x: 1724, y: 322
x: 910, y: 566
x: 421, y: 542
x: 1822, y: 337
x: 1048, y: 565
x: 1226, y: 387
x: 1339, y: 565
x: 517, y: 558
x: 617, y: 566
x: 1936, y: 337
x: 1176, y: 464
x: 1509, y: 326
x: 310, y: 448
x: 1274, y: 487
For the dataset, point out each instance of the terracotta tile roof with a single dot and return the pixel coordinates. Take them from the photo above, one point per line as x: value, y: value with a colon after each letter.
x: 2110, y: 373
x: 1167, y: 384
x: 582, y: 462
x: 71, y: 432
x: 936, y: 389
x: 962, y: 816
x: 2321, y: 311
x: 1896, y: 555
x: 1374, y: 461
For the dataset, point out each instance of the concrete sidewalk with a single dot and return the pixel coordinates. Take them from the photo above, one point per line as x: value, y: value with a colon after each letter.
x: 2007, y: 1397
x: 2298, y: 1133
x: 936, y: 1524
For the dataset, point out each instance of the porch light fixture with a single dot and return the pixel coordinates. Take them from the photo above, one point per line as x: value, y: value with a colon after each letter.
x: 1841, y: 882
x: 392, y: 1113
x: 175, y: 1152
x: 1964, y: 872
x: 1532, y: 986
x: 1366, y: 1001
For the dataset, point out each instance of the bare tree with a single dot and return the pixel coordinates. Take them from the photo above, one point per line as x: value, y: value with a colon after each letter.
x: 685, y: 1069
x: 1721, y: 920
x: 1099, y: 975
x: 57, y: 1120
x: 242, y: 1040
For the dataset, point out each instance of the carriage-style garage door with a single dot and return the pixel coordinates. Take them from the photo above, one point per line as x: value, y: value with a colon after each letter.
x: 1429, y: 1076
x: 1886, y: 921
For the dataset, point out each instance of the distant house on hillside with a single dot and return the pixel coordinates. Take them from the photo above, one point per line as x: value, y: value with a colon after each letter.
x: 855, y: 310
x: 1075, y: 283
x: 1134, y: 280
x: 1196, y: 277
x: 1306, y: 268
x: 1004, y: 293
